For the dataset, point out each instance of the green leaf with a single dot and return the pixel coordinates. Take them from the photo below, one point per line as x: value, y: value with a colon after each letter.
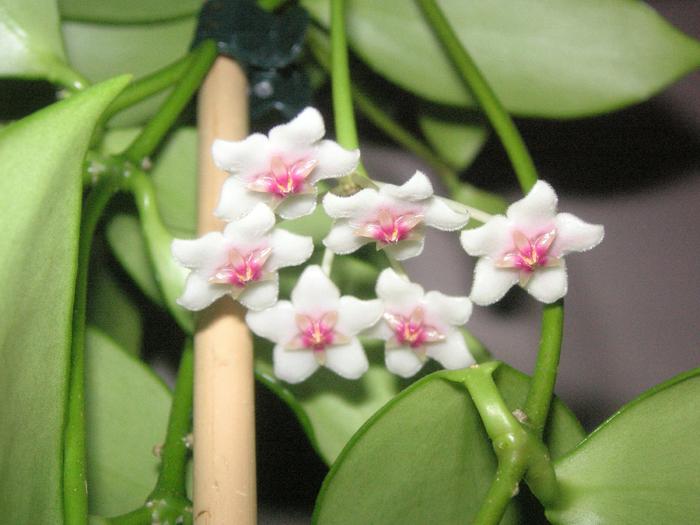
x: 547, y: 58
x: 102, y: 51
x: 127, y: 11
x: 41, y: 161
x: 456, y: 136
x: 639, y: 467
x: 109, y: 306
x: 127, y: 414
x: 425, y: 457
x: 30, y: 42
x: 330, y: 409
x: 129, y: 247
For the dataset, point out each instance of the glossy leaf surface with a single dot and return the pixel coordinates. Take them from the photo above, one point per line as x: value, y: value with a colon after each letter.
x: 103, y: 50
x: 127, y: 414
x: 41, y: 161
x: 127, y: 11
x: 30, y: 41
x: 641, y: 466
x: 425, y: 457
x: 548, y: 58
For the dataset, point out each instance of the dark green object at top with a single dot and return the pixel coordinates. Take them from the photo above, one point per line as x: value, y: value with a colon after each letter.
x: 267, y: 44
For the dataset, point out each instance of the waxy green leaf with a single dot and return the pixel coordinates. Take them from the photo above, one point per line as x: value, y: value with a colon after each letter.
x: 425, y: 457
x: 546, y: 58
x: 456, y: 137
x: 30, y: 42
x: 41, y: 161
x: 102, y: 50
x: 109, y: 306
x: 127, y: 414
x: 127, y: 11
x: 641, y: 466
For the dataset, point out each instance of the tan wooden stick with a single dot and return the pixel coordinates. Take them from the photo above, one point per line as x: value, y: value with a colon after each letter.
x: 224, y: 417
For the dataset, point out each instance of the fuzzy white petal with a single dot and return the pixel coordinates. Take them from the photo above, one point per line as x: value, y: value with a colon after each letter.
x: 397, y: 291
x: 403, y: 250
x: 244, y: 158
x: 299, y: 133
x: 341, y: 239
x: 253, y: 226
x: 355, y: 315
x: 261, y: 294
x: 417, y: 188
x: 536, y: 208
x: 343, y: 207
x: 295, y: 206
x: 493, y: 238
x: 314, y: 293
x: 452, y: 353
x: 288, y: 249
x: 443, y: 215
x: 575, y: 235
x: 236, y: 200
x: 333, y: 161
x: 548, y: 284
x: 206, y: 253
x: 200, y: 293
x: 348, y: 360
x: 293, y: 366
x: 276, y: 323
x: 449, y: 309
x: 491, y: 283
x: 402, y: 361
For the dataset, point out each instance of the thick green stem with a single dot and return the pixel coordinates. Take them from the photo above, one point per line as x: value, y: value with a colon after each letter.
x: 74, y: 476
x: 483, y: 94
x: 170, y: 276
x: 541, y: 390
x: 542, y: 386
x: 171, y: 481
x: 345, y: 127
x: 148, y: 86
x: 152, y: 134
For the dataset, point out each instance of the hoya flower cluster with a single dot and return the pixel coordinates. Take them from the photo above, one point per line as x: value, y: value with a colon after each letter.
x: 277, y: 174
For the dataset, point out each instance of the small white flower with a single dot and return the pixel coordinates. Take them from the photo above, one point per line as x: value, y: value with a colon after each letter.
x: 418, y: 325
x: 394, y: 217
x: 241, y: 262
x: 527, y: 246
x: 281, y: 169
x: 318, y: 327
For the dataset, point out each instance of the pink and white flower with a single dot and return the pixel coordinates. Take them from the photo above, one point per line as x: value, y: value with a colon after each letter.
x: 317, y: 328
x: 527, y: 246
x: 241, y: 262
x: 418, y: 325
x: 394, y: 217
x: 280, y: 169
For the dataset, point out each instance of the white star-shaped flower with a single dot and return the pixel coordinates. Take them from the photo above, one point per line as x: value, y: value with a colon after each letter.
x: 418, y: 325
x: 394, y: 217
x: 280, y: 169
x: 527, y: 246
x: 318, y: 327
x: 241, y: 262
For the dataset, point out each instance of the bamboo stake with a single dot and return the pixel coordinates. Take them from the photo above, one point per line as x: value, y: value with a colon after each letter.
x: 224, y: 419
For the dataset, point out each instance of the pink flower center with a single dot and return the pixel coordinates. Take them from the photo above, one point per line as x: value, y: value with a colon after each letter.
x: 528, y: 254
x: 316, y: 334
x: 283, y: 180
x: 390, y: 228
x: 240, y: 270
x: 412, y: 330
